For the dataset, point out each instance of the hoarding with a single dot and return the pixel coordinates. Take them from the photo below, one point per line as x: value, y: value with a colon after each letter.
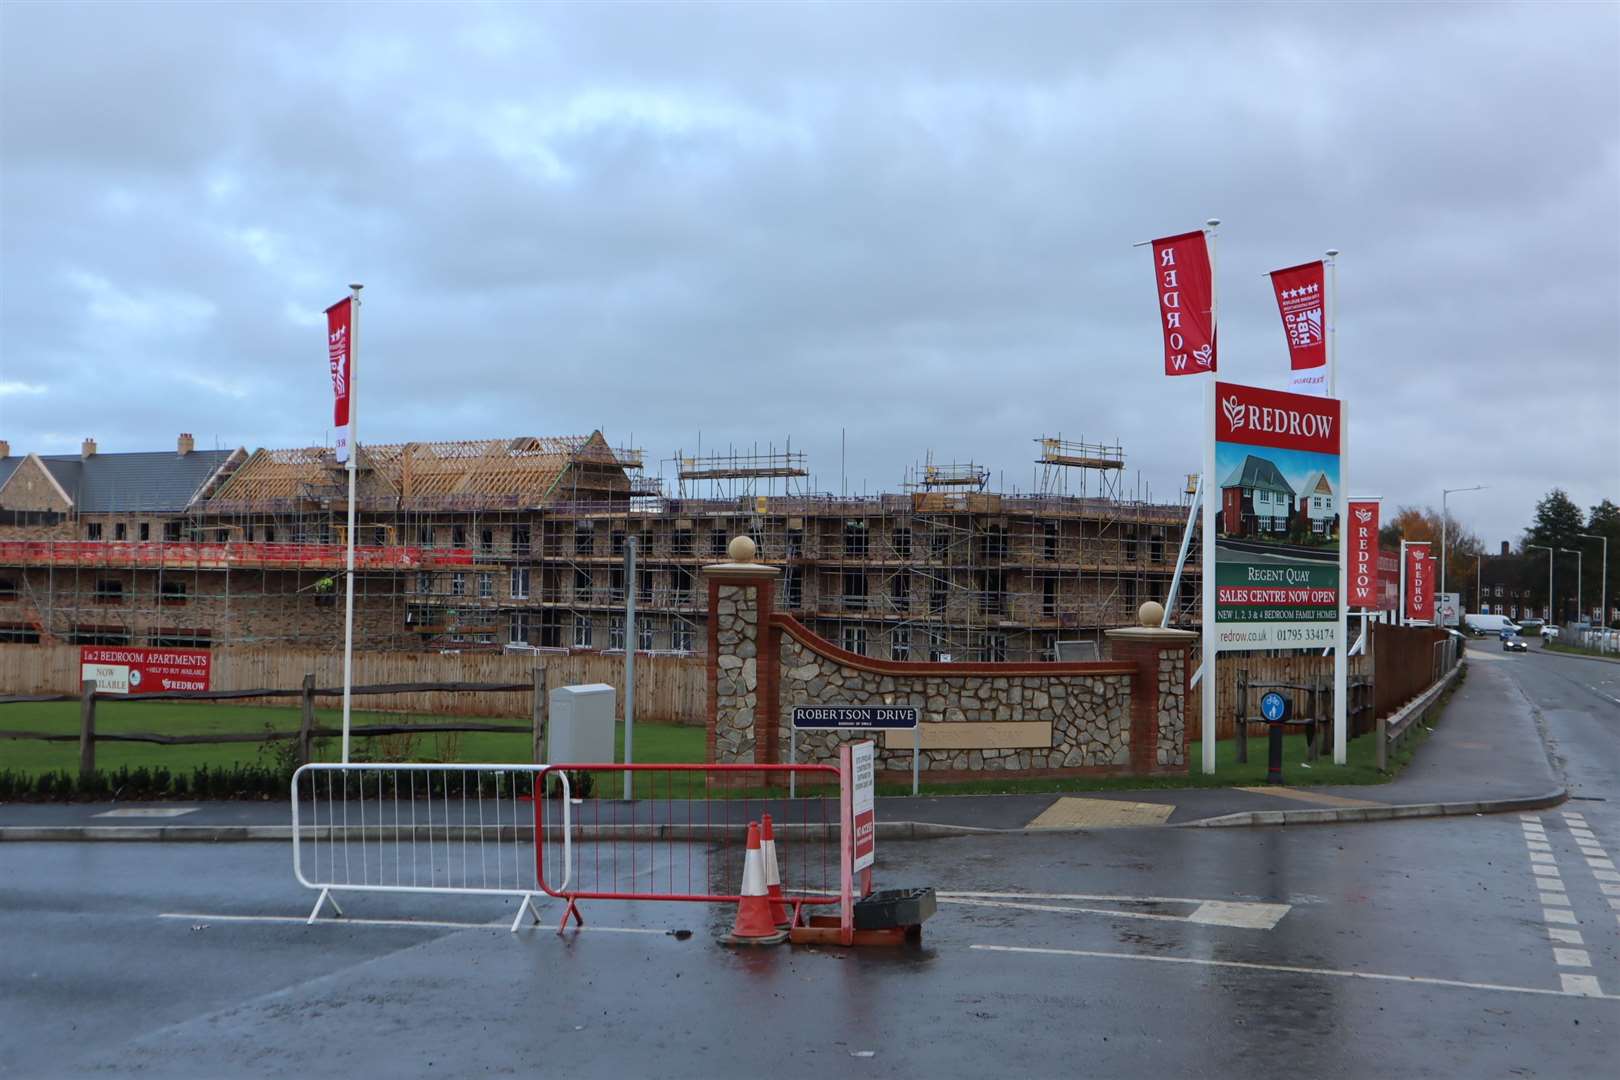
x: 863, y: 807
x: 119, y: 669
x: 1275, y: 463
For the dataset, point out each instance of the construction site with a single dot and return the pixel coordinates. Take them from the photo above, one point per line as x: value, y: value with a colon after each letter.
x: 521, y: 544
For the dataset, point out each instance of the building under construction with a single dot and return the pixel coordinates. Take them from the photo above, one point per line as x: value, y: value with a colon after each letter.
x: 522, y: 542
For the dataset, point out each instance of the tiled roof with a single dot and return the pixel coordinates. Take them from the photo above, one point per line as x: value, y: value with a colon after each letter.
x: 1260, y: 474
x: 159, y: 481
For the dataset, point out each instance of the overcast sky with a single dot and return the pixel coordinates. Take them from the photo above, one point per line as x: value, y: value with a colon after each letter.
x: 745, y: 224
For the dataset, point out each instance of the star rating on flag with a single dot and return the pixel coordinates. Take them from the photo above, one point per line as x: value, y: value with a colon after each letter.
x: 1304, y: 290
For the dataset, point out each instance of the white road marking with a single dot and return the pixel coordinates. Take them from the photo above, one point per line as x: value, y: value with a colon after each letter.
x: 1530, y: 817
x: 1587, y: 989
x: 1614, y: 902
x: 1600, y: 864
x: 1606, y: 875
x: 431, y: 924
x: 148, y: 812
x: 1538, y: 846
x: 1554, y: 915
x: 1545, y: 871
x: 1542, y: 857
x: 1568, y: 937
x: 1531, y: 830
x: 1572, y: 958
x: 1584, y: 986
x: 1236, y: 914
x: 1553, y: 899
x: 1548, y: 884
x: 1610, y: 890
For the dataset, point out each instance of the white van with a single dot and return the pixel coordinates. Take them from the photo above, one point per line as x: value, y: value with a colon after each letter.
x: 1489, y: 624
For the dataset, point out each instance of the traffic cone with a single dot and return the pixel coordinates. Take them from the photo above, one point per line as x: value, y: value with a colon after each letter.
x: 773, y: 873
x: 754, y: 925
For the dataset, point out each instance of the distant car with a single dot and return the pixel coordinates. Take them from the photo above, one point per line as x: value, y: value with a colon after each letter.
x: 1483, y: 624
x: 1514, y: 644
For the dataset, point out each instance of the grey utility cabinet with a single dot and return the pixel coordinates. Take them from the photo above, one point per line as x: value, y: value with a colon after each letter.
x: 579, y: 724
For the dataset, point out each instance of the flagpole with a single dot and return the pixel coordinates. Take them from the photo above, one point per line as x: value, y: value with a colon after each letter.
x: 1210, y: 226
x: 348, y: 558
x: 1332, y: 314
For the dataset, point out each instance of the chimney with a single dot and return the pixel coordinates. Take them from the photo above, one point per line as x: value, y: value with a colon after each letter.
x: 1505, y: 547
x: 88, y: 450
x: 186, y: 444
x: 5, y: 449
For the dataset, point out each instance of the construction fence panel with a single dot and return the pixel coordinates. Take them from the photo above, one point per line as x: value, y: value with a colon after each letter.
x: 684, y: 836
x: 399, y: 828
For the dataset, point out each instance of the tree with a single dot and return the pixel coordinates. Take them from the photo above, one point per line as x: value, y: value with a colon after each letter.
x: 1558, y: 521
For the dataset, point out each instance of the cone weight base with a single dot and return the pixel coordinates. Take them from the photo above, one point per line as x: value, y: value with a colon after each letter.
x: 770, y: 939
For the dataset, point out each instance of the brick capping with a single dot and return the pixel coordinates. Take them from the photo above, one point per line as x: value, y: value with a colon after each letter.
x: 820, y: 645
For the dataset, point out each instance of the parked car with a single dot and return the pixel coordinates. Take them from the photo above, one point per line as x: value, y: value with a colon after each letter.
x: 1515, y: 643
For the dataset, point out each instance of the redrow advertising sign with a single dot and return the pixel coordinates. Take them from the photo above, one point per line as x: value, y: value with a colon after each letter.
x: 1419, y: 584
x: 1186, y: 303
x: 1363, y: 538
x: 1261, y: 417
x: 1300, y: 303
x: 339, y: 342
x: 123, y: 670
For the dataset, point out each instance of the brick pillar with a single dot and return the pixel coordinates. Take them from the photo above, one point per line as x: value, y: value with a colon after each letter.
x: 1158, y: 689
x: 742, y: 664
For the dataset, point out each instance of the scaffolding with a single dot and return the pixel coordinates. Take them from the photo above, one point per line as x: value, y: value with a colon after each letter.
x: 483, y: 544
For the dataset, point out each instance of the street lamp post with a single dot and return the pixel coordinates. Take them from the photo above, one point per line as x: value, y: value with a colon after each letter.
x: 1579, y: 574
x: 1603, y: 580
x: 1551, y: 618
x: 1445, y: 519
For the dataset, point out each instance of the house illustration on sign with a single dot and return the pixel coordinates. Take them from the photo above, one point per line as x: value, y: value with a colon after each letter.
x: 1316, y: 502
x: 1255, y: 498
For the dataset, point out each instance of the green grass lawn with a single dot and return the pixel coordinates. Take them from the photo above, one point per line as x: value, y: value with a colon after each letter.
x: 1577, y: 650
x: 654, y: 742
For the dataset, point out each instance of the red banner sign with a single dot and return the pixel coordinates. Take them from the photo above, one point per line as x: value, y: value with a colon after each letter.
x: 1299, y: 300
x: 117, y: 669
x: 1186, y: 305
x: 1276, y: 418
x: 339, y: 356
x: 1362, y: 537
x: 1419, y: 584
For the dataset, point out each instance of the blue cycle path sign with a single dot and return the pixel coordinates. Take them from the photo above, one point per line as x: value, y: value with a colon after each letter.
x: 1274, y: 707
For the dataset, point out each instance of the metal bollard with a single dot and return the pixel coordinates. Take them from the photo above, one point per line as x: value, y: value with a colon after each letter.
x: 1274, y: 772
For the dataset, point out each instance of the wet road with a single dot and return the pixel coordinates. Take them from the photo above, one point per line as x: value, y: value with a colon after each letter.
x: 1446, y: 947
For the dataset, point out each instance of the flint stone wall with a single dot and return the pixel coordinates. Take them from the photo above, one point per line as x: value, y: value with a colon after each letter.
x: 1089, y: 714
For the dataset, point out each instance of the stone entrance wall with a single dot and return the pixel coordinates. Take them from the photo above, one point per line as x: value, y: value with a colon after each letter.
x: 1124, y: 715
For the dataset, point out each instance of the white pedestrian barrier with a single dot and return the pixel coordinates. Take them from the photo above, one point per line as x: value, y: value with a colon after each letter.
x: 464, y: 829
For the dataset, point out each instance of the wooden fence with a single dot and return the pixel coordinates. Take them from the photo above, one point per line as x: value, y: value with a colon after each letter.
x: 669, y: 689
x: 1300, y: 668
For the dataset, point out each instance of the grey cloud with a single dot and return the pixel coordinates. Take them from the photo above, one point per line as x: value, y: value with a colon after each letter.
x: 909, y: 223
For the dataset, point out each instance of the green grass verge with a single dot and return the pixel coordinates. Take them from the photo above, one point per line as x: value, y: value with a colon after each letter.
x: 655, y: 744
x: 1577, y: 650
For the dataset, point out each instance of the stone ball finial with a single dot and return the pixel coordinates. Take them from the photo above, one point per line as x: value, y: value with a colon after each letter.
x: 742, y: 549
x: 1151, y: 613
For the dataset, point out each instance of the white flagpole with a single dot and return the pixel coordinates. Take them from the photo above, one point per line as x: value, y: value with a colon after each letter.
x: 1332, y: 314
x: 1214, y: 290
x: 348, y: 559
x: 1341, y: 646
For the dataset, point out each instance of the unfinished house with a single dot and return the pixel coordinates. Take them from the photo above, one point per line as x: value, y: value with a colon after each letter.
x: 521, y: 543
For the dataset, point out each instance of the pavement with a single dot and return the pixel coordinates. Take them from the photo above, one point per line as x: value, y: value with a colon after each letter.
x: 1488, y: 757
x: 1463, y: 945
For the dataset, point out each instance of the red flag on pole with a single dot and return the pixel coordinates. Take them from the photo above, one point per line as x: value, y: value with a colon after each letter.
x: 339, y: 342
x: 1419, y: 584
x: 1363, y: 553
x: 1186, y: 303
x: 1299, y: 300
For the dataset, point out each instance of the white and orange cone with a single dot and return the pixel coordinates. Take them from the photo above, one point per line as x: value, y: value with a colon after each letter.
x: 773, y: 874
x: 754, y: 925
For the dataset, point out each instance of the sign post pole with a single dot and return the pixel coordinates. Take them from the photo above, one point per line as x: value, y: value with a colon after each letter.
x: 348, y: 556
x: 1341, y: 659
x: 916, y: 757
x: 1211, y: 495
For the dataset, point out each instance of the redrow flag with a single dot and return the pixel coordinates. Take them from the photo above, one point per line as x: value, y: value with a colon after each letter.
x: 1300, y: 302
x: 1363, y: 536
x: 1419, y: 584
x: 339, y: 357
x: 1186, y: 303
